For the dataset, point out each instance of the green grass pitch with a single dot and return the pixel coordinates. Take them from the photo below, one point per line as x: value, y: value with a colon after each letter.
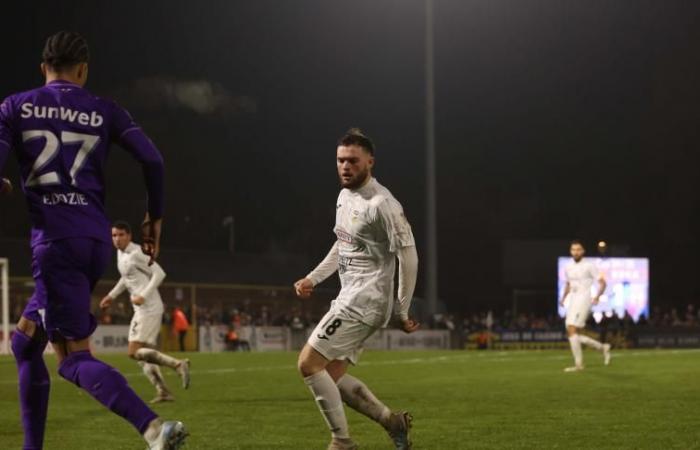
x: 460, y: 400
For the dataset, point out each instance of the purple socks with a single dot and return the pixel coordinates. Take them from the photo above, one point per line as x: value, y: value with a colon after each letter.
x: 108, y: 387
x: 101, y: 381
x: 34, y: 386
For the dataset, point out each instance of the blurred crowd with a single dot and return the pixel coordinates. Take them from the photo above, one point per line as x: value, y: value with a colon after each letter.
x: 237, y: 316
x: 673, y: 317
x: 244, y: 315
x: 469, y: 323
x: 247, y: 313
x: 510, y: 321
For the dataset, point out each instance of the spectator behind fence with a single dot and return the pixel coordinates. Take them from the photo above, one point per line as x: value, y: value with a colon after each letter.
x: 180, y: 326
x: 234, y: 341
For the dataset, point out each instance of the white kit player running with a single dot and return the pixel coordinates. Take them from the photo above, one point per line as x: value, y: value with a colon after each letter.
x: 142, y: 281
x: 581, y: 274
x: 372, y: 232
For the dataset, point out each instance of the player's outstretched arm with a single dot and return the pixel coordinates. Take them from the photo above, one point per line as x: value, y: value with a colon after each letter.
x: 116, y: 291
x: 567, y: 289
x: 408, y: 274
x: 106, y: 302
x: 150, y: 235
x: 602, y: 285
x: 157, y: 277
x: 130, y: 136
x: 305, y: 287
x: 5, y: 137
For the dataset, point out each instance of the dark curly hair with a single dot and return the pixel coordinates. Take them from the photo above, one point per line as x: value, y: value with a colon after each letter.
x: 65, y: 49
x: 355, y: 136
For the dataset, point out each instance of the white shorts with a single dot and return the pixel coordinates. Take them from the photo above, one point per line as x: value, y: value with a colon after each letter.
x: 578, y: 311
x: 145, y: 328
x: 338, y: 336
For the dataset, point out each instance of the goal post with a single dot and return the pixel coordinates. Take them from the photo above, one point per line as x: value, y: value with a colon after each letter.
x: 5, y: 294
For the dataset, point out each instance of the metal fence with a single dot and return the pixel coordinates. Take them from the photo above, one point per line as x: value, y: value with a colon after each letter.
x: 204, y: 304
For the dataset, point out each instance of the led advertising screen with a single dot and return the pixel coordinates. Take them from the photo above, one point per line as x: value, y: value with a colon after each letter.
x: 627, y: 289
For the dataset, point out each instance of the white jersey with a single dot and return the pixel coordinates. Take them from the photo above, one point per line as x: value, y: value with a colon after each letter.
x: 139, y: 279
x: 371, y: 227
x: 581, y: 277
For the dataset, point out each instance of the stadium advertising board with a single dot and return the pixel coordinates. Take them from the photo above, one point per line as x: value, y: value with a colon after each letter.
x: 110, y: 339
x: 689, y: 338
x: 213, y: 339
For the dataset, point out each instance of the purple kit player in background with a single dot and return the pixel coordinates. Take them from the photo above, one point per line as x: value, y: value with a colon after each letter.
x: 61, y: 135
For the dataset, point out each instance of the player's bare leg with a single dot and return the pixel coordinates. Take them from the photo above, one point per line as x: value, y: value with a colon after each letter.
x: 312, y: 366
x: 154, y: 375
x: 106, y: 385
x: 359, y: 397
x: 28, y: 344
x: 142, y: 352
x: 152, y: 372
x: 575, y: 342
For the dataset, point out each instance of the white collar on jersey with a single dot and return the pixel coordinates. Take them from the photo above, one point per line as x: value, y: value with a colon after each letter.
x: 131, y: 247
x: 365, y: 188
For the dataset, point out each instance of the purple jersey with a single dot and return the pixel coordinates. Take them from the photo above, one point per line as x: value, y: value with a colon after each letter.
x: 61, y: 135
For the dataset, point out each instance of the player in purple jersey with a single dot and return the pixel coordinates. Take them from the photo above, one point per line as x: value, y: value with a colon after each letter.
x: 60, y: 134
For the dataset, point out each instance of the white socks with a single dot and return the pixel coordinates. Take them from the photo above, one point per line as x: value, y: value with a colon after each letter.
x: 152, y: 356
x: 576, y: 349
x: 328, y: 399
x: 589, y: 341
x: 576, y: 340
x: 153, y: 431
x: 152, y: 372
x: 358, y: 396
x: 355, y: 393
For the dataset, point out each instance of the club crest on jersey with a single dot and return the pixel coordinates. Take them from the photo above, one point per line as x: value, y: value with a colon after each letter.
x: 343, y: 235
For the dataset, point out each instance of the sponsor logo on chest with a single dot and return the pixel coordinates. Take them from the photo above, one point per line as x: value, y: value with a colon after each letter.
x: 343, y: 235
x: 29, y: 110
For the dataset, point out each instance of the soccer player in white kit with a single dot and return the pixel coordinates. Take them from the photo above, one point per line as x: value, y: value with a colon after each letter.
x: 372, y: 232
x: 581, y: 274
x: 142, y: 279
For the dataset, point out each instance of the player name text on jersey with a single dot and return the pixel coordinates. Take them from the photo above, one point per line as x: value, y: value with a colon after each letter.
x: 69, y: 198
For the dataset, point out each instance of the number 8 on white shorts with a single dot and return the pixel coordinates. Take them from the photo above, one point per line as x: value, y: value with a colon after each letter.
x: 339, y: 336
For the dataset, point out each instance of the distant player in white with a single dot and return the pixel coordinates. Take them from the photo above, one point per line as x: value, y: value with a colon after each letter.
x: 581, y: 274
x: 142, y: 281
x: 372, y: 232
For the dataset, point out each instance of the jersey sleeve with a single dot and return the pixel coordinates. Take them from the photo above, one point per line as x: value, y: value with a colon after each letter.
x: 393, y: 221
x: 326, y: 268
x: 594, y: 271
x: 408, y: 274
x: 118, y: 288
x: 156, y: 279
x: 5, y: 131
x: 125, y: 132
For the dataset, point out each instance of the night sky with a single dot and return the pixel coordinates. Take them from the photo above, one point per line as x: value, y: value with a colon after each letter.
x: 554, y: 120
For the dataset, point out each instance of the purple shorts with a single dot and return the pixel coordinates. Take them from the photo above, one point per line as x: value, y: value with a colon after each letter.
x: 65, y: 272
